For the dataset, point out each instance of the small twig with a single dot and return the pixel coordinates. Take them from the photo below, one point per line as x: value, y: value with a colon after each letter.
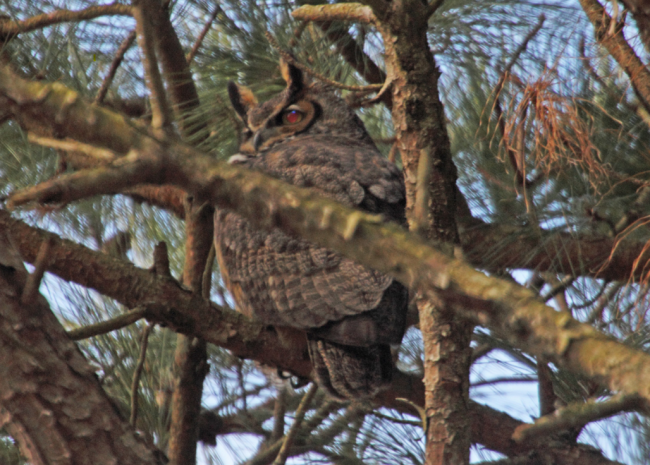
x: 160, y: 109
x: 481, y: 351
x: 512, y: 157
x: 279, y: 410
x: 199, y: 40
x: 635, y: 212
x: 115, y: 64
x: 558, y: 287
x: 290, y: 59
x: 392, y: 419
x: 586, y: 64
x: 295, y: 427
x: 576, y: 416
x: 137, y: 373
x: 30, y: 291
x: 520, y: 177
x: 10, y: 28
x: 206, y: 281
x: 70, y: 145
x: 107, y: 326
x: 505, y: 379
x: 297, y: 33
x: 603, y: 300
x: 515, y: 56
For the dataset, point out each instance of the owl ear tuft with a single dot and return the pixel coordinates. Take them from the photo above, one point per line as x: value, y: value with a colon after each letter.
x: 293, y: 76
x: 241, y: 98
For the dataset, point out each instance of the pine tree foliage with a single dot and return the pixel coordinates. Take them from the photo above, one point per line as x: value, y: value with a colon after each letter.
x: 554, y: 142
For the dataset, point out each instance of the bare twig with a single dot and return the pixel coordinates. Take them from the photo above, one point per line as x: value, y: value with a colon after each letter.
x: 115, y: 64
x: 515, y: 56
x: 199, y: 40
x: 520, y: 176
x: 161, y: 112
x: 9, y: 28
x: 618, y: 47
x: 30, y: 291
x: 290, y: 59
x: 577, y: 415
x: 558, y: 287
x: 69, y: 145
x: 354, y: 55
x: 107, y: 326
x: 135, y: 384
x: 295, y: 427
x: 207, y: 274
x: 586, y: 64
x: 279, y: 410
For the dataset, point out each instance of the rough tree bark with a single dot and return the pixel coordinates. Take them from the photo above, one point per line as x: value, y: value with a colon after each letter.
x: 430, y: 175
x: 51, y: 400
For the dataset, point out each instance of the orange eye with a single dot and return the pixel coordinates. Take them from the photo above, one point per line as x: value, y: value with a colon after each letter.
x: 292, y: 116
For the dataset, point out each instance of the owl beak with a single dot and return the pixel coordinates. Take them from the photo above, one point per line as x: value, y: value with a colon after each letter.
x: 258, y: 139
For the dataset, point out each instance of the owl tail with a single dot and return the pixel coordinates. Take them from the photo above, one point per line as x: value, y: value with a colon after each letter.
x: 347, y: 372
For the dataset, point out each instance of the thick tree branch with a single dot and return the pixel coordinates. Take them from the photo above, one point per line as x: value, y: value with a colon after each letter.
x: 510, y: 310
x: 164, y: 302
x: 355, y: 12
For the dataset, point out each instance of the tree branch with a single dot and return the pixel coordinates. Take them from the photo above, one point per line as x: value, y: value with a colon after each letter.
x: 135, y: 383
x: 510, y: 310
x: 115, y: 64
x: 575, y: 415
x: 166, y: 303
x: 613, y: 40
x: 143, y: 12
x: 104, y: 327
x: 11, y: 28
x: 355, y: 12
x: 197, y: 44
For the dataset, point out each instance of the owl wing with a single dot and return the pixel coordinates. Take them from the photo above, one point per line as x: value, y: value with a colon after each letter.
x: 286, y: 281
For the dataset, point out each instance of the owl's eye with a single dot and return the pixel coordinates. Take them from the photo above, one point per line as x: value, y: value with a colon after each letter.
x: 292, y: 116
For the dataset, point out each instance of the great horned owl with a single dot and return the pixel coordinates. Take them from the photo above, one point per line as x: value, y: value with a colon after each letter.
x: 309, y: 137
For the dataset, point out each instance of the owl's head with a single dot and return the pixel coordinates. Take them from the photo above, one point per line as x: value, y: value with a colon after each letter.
x: 302, y: 108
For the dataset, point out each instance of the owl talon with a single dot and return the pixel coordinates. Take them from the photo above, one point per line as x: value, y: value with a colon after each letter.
x: 296, y: 381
